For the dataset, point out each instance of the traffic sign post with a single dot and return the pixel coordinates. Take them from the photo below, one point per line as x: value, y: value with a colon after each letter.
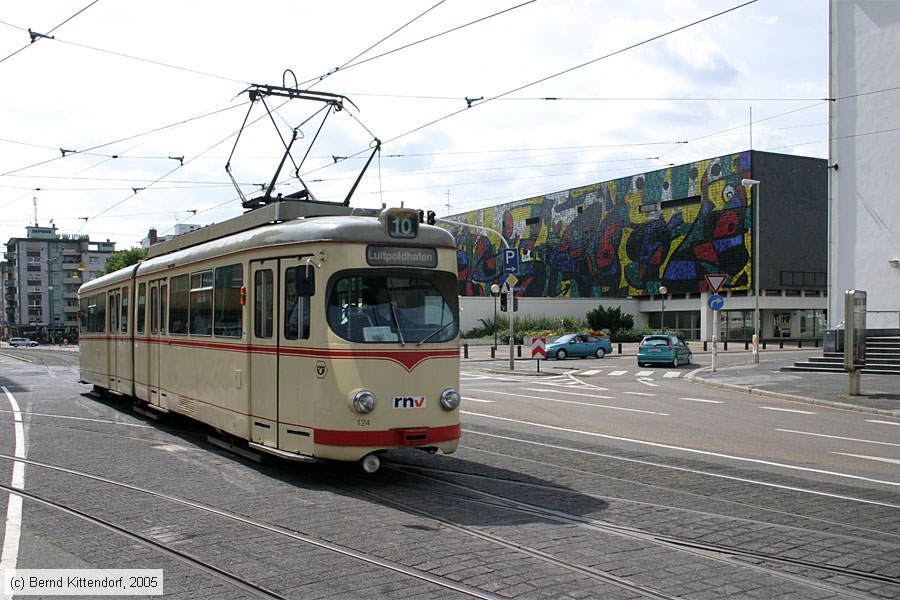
x: 715, y: 303
x: 510, y: 260
x: 539, y: 350
x: 715, y: 281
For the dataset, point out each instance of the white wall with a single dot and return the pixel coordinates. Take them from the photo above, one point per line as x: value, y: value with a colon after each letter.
x: 474, y: 308
x: 864, y: 205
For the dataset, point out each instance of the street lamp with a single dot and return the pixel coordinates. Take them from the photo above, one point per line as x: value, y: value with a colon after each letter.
x: 750, y: 183
x: 663, y: 290
x: 495, y: 289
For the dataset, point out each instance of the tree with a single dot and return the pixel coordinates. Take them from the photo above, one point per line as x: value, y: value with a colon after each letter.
x: 124, y: 258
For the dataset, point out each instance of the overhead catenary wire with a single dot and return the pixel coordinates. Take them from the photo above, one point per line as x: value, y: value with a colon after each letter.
x: 37, y: 36
x: 380, y: 156
x: 571, y: 69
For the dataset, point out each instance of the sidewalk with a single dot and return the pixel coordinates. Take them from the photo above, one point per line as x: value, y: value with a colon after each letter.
x: 880, y: 394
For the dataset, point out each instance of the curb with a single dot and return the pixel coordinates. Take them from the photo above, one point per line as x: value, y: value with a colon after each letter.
x: 694, y: 378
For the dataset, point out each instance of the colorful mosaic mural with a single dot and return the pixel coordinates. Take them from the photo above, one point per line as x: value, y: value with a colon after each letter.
x: 620, y: 238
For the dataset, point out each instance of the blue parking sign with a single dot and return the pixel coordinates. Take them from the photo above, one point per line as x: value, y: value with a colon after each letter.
x: 510, y: 260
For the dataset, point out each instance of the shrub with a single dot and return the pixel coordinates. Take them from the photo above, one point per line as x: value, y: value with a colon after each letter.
x: 609, y: 318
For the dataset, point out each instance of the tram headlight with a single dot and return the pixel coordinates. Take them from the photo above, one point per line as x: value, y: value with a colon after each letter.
x: 363, y: 401
x: 449, y: 399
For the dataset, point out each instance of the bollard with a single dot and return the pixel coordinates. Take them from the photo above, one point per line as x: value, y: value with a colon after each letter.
x: 519, y: 351
x: 816, y: 342
x: 493, y: 352
x: 465, y: 350
x: 764, y: 343
x: 725, y: 345
x: 704, y: 345
x: 799, y: 342
x: 746, y: 345
x: 620, y: 347
x: 781, y: 343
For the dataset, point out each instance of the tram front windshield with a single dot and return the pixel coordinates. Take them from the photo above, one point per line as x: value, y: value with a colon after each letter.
x: 372, y: 308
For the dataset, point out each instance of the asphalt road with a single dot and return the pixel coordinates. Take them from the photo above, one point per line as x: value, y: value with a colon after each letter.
x: 578, y: 484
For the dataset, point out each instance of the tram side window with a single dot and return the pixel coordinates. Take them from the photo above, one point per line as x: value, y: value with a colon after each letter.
x: 123, y: 322
x: 228, y: 319
x: 201, y: 302
x: 299, y: 287
x: 154, y: 310
x: 113, y: 313
x: 93, y: 313
x: 141, y: 307
x: 162, y: 307
x: 178, y: 304
x: 262, y: 303
x: 83, y: 314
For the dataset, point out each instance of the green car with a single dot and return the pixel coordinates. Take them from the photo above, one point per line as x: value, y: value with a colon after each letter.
x: 663, y: 350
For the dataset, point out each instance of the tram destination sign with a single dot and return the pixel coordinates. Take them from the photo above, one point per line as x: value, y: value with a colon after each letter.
x: 401, y: 256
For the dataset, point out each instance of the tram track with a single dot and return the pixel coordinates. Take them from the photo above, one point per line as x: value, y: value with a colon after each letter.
x: 449, y: 586
x: 227, y: 577
x: 727, y: 554
x: 827, y: 524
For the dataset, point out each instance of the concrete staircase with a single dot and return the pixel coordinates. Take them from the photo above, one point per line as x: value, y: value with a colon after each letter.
x: 882, y: 358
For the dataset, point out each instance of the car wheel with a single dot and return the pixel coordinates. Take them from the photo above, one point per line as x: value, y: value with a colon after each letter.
x: 561, y: 354
x: 600, y: 353
x: 675, y: 361
x: 690, y: 358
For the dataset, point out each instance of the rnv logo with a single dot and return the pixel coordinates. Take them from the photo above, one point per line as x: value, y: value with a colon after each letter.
x: 409, y: 402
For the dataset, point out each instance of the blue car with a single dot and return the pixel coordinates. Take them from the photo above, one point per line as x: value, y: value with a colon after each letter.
x: 579, y: 344
x: 663, y: 349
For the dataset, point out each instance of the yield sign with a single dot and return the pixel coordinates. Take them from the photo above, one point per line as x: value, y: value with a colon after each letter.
x: 715, y: 282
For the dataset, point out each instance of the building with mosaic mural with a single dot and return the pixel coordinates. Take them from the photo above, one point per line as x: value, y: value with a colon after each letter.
x: 653, y: 237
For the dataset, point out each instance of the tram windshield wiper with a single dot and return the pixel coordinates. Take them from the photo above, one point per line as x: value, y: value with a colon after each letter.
x: 434, y: 333
x: 397, y: 322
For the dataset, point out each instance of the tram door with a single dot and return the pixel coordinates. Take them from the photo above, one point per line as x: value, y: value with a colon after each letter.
x: 281, y: 298
x: 112, y: 329
x: 157, y: 330
x: 263, y: 375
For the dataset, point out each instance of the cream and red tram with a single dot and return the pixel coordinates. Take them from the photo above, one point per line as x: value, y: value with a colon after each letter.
x: 276, y: 332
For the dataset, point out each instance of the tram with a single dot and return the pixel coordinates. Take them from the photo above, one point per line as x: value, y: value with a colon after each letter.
x: 305, y: 329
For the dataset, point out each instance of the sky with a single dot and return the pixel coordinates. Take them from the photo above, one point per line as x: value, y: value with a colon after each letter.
x: 118, y: 117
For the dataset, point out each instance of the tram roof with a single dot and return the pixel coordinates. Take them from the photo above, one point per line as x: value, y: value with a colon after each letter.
x: 332, y: 228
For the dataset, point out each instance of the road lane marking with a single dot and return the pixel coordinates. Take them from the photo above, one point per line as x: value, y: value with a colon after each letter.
x: 790, y: 410
x: 882, y: 422
x: 646, y: 381
x: 893, y: 461
x: 108, y: 421
x: 571, y: 393
x: 646, y: 412
x: 643, y: 374
x: 589, y: 373
x: 570, y: 384
x: 646, y: 394
x: 651, y: 463
x: 757, y: 461
x: 471, y: 399
x: 702, y: 400
x: 616, y: 373
x: 672, y: 374
x: 10, y: 556
x: 837, y: 437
